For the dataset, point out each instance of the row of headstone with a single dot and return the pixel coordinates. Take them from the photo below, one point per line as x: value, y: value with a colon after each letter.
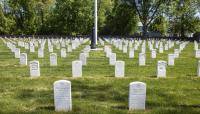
x: 63, y: 96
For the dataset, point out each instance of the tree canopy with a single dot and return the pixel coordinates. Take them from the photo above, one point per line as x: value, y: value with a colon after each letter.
x: 115, y: 17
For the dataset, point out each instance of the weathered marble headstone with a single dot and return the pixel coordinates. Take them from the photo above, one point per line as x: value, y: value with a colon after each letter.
x: 125, y: 49
x: 63, y: 53
x: 137, y: 96
x: 50, y: 47
x: 112, y: 59
x: 17, y: 53
x: 142, y: 59
x: 77, y: 69
x: 119, y: 69
x: 34, y: 69
x: 198, y: 69
x: 23, y: 59
x: 131, y: 53
x: 69, y: 48
x: 83, y: 58
x: 32, y: 48
x: 40, y: 53
x: 161, y: 69
x: 176, y: 53
x: 171, y: 58
x: 153, y: 53
x: 62, y: 96
x: 53, y: 59
x: 197, y: 53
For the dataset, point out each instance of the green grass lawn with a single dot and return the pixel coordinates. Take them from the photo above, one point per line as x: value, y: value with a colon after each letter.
x: 98, y: 91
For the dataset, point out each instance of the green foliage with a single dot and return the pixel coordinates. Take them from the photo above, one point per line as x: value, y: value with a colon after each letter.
x: 159, y: 25
x: 122, y: 21
x: 115, y: 17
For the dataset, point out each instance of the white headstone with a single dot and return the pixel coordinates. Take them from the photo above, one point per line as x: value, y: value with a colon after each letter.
x: 142, y: 59
x: 34, y: 69
x: 161, y: 69
x: 197, y: 54
x: 53, y: 59
x: 198, y: 69
x: 40, y: 53
x: 137, y: 96
x: 62, y: 96
x: 153, y: 53
x: 131, y: 53
x: 63, y: 53
x: 83, y: 58
x: 32, y: 48
x: 77, y: 69
x: 119, y: 69
x: 112, y: 59
x: 17, y: 53
x: 23, y: 59
x: 171, y: 58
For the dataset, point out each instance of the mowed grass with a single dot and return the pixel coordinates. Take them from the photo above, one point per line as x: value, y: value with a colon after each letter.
x: 98, y: 91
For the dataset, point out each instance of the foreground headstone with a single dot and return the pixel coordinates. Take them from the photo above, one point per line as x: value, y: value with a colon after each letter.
x: 76, y: 69
x: 23, y: 59
x: 137, y: 96
x: 34, y: 69
x: 119, y: 69
x: 53, y: 59
x: 161, y: 69
x: 62, y: 96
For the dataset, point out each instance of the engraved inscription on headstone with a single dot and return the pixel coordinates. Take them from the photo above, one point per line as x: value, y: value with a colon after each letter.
x: 62, y: 96
x: 34, y: 69
x: 137, y: 96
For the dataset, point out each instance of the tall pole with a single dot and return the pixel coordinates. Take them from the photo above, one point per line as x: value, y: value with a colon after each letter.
x: 95, y: 21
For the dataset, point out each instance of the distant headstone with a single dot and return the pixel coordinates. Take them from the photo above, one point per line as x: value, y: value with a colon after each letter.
x: 83, y: 58
x: 137, y: 96
x: 62, y: 96
x: 153, y: 53
x: 32, y: 48
x: 161, y: 69
x: 198, y: 69
x: 119, y: 69
x: 63, y: 53
x: 34, y: 69
x: 40, y: 53
x: 23, y: 59
x: 77, y: 69
x: 53, y: 59
x: 131, y: 53
x: 171, y: 58
x: 142, y: 59
x: 197, y: 54
x: 17, y: 53
x: 112, y: 59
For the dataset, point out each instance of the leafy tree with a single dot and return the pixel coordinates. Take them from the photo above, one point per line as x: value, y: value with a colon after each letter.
x: 122, y: 21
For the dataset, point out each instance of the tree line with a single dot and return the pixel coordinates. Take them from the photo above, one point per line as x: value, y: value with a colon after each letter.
x: 115, y: 17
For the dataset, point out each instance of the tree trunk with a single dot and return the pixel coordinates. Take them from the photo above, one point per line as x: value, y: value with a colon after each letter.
x: 144, y: 28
